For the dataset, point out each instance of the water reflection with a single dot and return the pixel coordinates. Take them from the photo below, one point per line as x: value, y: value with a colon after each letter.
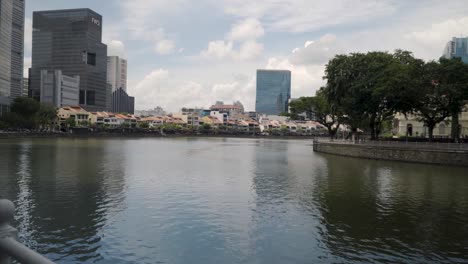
x: 394, y: 212
x: 64, y: 191
x: 201, y: 200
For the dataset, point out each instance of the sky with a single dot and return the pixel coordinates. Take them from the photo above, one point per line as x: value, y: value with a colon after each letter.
x: 194, y: 53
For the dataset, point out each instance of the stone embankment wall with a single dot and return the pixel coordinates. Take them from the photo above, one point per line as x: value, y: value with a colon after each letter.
x: 458, y: 157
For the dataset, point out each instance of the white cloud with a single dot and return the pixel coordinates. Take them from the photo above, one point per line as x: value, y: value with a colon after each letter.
x: 250, y: 50
x: 306, y: 15
x: 316, y: 52
x: 247, y: 29
x: 439, y: 34
x: 143, y: 21
x: 240, y: 42
x: 305, y: 81
x: 116, y: 48
x: 164, y: 47
x: 158, y: 88
x: 219, y: 49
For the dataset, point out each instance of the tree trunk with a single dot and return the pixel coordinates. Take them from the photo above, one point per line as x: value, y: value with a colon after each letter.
x: 372, y: 127
x: 354, y: 131
x: 430, y: 130
x: 455, y: 133
x: 331, y: 133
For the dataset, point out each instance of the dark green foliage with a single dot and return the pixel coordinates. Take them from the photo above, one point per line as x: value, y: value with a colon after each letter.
x: 369, y: 88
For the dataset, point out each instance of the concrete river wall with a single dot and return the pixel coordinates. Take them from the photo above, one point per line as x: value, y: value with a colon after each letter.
x: 432, y: 153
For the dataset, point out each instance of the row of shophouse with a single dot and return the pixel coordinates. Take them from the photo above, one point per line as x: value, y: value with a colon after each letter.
x: 215, y: 119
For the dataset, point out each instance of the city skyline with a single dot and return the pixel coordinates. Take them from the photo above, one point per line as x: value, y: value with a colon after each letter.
x: 173, y: 65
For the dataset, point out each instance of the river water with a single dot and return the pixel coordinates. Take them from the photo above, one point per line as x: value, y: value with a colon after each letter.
x: 225, y: 200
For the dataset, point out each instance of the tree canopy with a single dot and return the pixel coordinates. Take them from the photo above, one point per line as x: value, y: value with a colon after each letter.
x: 368, y: 89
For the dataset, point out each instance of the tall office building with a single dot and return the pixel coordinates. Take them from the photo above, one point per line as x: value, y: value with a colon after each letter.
x: 70, y: 41
x: 25, y: 87
x: 457, y: 48
x: 17, y: 48
x: 11, y: 51
x: 273, y: 91
x: 117, y: 72
x: 122, y: 103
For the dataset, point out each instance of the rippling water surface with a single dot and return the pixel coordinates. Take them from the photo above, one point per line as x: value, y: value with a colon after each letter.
x: 195, y: 200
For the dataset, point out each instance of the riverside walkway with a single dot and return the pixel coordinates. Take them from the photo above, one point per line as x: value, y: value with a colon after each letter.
x: 454, y: 154
x: 398, y: 144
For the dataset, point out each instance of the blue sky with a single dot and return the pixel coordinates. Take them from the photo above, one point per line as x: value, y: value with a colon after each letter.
x: 193, y: 53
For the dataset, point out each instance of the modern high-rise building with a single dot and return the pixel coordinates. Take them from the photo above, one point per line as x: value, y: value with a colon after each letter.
x: 117, y: 72
x: 25, y: 87
x: 11, y: 51
x: 17, y: 48
x: 273, y: 91
x: 58, y: 89
x: 70, y: 40
x: 122, y: 103
x: 109, y: 97
x: 457, y: 48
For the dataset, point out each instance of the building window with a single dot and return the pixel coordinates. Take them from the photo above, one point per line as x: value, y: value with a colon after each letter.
x: 90, y: 97
x: 91, y: 59
x: 82, y: 96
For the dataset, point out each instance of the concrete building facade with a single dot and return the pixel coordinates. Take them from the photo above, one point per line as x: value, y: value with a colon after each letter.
x: 71, y: 41
x: 11, y: 51
x: 117, y: 72
x: 58, y: 89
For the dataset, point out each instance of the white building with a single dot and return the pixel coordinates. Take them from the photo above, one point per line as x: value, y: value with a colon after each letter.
x: 189, y: 119
x: 117, y: 72
x: 58, y: 89
x: 221, y: 116
x: 410, y: 126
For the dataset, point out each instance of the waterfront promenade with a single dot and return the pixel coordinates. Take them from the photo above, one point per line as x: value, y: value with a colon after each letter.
x: 420, y: 152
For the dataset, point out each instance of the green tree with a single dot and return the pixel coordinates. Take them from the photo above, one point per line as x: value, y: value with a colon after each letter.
x: 369, y: 88
x: 452, y: 80
x: 343, y: 90
x: 143, y: 125
x: 302, y: 105
x: 433, y: 105
x: 70, y: 122
x: 284, y: 130
x: 22, y: 114
x: 125, y: 125
x: 47, y: 115
x: 25, y: 107
x: 206, y: 127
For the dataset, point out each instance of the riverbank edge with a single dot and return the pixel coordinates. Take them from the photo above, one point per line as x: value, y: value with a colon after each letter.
x: 395, y: 153
x: 141, y: 135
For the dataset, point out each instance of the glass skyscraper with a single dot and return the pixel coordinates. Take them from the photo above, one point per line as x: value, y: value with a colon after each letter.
x: 70, y: 41
x: 11, y: 51
x: 273, y: 91
x: 457, y: 48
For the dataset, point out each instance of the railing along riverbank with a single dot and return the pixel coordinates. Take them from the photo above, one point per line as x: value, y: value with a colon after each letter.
x: 10, y: 247
x: 399, y: 144
x: 455, y: 154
